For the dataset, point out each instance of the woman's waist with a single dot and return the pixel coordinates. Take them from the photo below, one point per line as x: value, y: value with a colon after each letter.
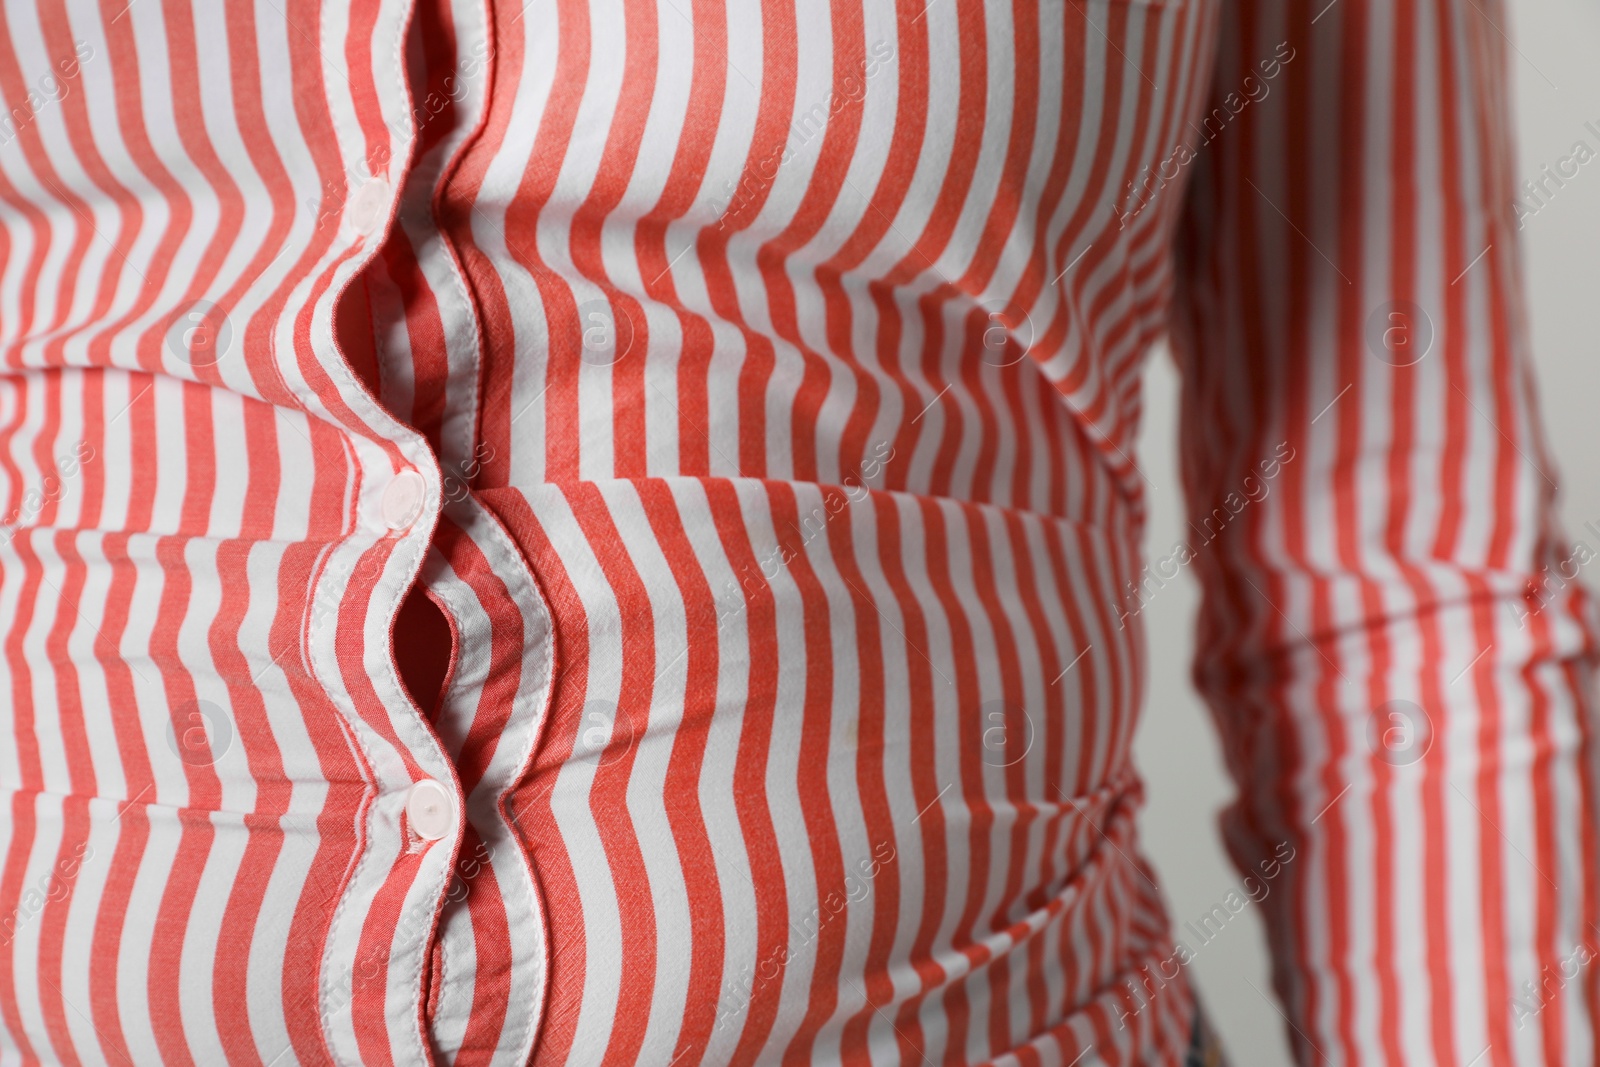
x: 971, y: 641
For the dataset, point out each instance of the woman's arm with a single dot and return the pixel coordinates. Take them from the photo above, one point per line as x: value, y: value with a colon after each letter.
x: 1393, y: 639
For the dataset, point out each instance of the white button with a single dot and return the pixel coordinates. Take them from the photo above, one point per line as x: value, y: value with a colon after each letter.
x: 430, y: 809
x: 402, y: 499
x: 369, y: 206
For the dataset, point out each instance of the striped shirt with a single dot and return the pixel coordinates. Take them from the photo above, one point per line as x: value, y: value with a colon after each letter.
x: 604, y: 531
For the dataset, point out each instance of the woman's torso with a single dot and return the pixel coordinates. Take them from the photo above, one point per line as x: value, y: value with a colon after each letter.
x: 780, y: 363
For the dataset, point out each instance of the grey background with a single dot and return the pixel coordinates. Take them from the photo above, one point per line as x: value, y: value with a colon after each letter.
x: 1557, y: 85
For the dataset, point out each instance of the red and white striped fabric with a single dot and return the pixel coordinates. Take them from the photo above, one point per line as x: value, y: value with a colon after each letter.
x: 603, y: 531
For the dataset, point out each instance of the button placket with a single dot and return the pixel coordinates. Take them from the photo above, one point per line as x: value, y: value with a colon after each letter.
x: 437, y: 808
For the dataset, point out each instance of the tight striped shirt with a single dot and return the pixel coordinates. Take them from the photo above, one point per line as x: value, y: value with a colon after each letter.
x: 605, y: 532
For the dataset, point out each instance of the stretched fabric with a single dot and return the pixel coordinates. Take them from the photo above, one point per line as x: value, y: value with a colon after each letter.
x: 606, y: 531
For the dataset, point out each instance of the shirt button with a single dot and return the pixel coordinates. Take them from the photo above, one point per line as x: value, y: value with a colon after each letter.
x: 431, y: 810
x: 402, y: 499
x: 369, y: 206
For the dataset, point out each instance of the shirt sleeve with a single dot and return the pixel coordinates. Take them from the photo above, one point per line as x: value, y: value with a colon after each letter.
x: 1393, y: 636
